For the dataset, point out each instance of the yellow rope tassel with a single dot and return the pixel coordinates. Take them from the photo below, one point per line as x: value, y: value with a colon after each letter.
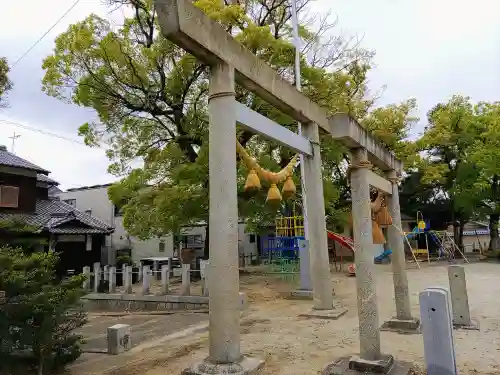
x: 252, y: 182
x: 273, y: 195
x: 289, y: 188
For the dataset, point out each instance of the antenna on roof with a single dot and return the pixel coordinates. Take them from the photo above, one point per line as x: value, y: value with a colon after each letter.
x: 14, y: 137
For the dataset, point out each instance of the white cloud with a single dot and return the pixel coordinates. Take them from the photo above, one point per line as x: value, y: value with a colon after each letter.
x: 428, y: 49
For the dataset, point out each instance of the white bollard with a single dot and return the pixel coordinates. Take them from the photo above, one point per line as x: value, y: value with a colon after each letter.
x: 165, y: 279
x: 186, y: 280
x: 97, y: 276
x: 112, y: 279
x: 145, y: 279
x: 119, y: 339
x: 86, y: 273
x: 437, y: 330
x: 459, y: 298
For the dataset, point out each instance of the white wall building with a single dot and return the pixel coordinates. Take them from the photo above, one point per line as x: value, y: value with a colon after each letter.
x: 94, y: 200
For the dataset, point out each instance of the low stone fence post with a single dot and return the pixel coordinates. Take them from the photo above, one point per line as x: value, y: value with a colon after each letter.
x: 204, y: 267
x: 146, y: 279
x: 186, y: 280
x: 87, y: 281
x: 127, y: 280
x: 112, y: 279
x: 437, y: 331
x: 97, y: 276
x: 165, y: 279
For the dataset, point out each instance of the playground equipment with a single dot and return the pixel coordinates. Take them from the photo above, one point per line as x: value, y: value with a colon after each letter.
x: 431, y: 244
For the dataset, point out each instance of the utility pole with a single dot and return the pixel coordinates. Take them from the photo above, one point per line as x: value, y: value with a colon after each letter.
x: 14, y: 137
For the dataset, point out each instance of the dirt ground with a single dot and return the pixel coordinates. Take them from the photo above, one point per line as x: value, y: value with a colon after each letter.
x: 272, y: 330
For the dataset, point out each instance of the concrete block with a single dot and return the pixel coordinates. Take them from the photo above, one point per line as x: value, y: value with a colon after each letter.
x: 105, y: 272
x: 437, y: 330
x: 405, y: 326
x: 348, y: 365
x: 302, y: 294
x: 246, y: 366
x: 333, y: 314
x: 119, y: 339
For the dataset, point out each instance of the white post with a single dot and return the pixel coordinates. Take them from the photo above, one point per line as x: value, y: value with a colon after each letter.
x: 186, y: 280
x: 224, y: 302
x: 112, y: 279
x: 204, y: 266
x: 437, y: 331
x: 145, y: 280
x: 165, y: 279
x: 97, y: 276
x: 86, y: 283
x: 369, y: 334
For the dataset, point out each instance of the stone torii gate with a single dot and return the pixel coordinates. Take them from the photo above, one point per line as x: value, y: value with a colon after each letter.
x: 229, y: 61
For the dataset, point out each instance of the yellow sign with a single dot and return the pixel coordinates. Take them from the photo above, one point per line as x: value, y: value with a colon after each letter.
x: 421, y: 225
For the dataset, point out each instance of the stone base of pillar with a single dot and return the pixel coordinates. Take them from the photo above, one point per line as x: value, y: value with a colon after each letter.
x: 301, y: 294
x: 405, y: 326
x: 356, y: 365
x: 472, y: 326
x: 336, y: 312
x: 246, y: 366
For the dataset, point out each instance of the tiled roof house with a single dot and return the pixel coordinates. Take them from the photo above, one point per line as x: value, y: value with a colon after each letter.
x: 26, y: 194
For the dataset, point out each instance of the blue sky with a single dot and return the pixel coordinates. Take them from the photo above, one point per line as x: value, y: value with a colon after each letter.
x: 427, y: 49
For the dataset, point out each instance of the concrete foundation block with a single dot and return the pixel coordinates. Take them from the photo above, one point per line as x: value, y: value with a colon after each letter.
x: 301, y: 294
x: 333, y: 314
x: 356, y: 365
x: 246, y: 366
x: 119, y: 339
x: 472, y: 326
x: 405, y: 326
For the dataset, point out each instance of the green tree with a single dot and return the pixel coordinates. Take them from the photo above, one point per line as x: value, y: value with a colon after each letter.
x: 485, y: 154
x: 40, y: 312
x: 453, y: 128
x: 5, y: 83
x: 151, y: 100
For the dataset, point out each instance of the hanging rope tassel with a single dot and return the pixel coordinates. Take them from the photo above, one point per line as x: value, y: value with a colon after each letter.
x: 289, y: 188
x: 252, y: 182
x: 273, y: 195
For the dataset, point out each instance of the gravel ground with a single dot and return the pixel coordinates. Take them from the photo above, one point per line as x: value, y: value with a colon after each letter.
x: 271, y: 328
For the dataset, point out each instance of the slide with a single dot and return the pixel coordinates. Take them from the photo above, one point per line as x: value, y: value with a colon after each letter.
x: 347, y: 242
x: 382, y: 256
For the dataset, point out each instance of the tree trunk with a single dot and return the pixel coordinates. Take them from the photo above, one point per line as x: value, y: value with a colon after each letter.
x: 460, y: 243
x: 456, y: 232
x: 494, y: 238
x: 206, y: 245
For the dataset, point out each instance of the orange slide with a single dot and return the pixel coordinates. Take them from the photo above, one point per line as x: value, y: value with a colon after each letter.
x: 347, y: 242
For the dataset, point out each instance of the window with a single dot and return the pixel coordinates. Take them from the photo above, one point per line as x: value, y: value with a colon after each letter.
x: 192, y: 240
x: 161, y: 246
x: 9, y: 196
x: 88, y: 212
x: 252, y: 238
x: 71, y: 202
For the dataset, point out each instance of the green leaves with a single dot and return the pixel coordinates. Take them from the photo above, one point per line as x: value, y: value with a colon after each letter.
x: 5, y: 83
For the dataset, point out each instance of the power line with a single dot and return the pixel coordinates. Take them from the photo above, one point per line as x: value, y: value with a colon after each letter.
x: 42, y: 132
x: 45, y: 34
